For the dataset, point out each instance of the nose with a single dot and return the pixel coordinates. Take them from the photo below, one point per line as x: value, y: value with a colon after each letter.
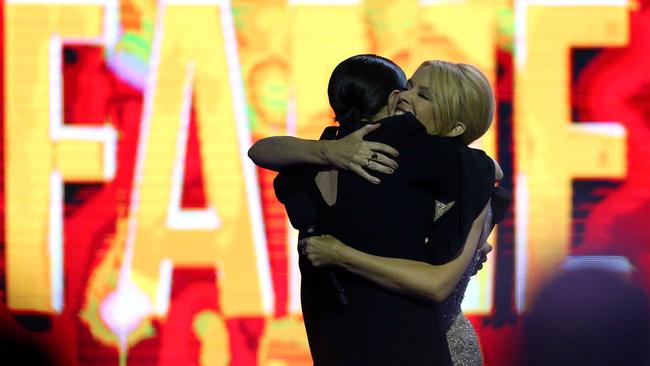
x: 404, y: 104
x: 404, y: 98
x: 406, y: 95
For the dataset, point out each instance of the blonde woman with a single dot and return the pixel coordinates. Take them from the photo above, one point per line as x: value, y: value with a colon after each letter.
x: 449, y: 100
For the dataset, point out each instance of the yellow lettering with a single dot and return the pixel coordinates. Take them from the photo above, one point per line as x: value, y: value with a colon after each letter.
x: 41, y: 151
x: 195, y: 58
x: 551, y: 150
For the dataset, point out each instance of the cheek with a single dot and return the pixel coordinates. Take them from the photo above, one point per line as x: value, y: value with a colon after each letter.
x: 418, y: 106
x: 424, y: 113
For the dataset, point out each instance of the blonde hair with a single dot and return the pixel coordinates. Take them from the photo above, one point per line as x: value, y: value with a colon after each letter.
x: 460, y: 93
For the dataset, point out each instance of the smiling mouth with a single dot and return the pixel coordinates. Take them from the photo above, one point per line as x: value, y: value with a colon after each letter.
x: 403, y: 107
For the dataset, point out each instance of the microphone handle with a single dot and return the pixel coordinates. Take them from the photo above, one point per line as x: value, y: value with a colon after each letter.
x: 341, y: 297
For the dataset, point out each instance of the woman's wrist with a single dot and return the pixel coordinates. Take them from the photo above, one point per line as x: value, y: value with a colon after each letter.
x: 324, y: 151
x: 343, y: 255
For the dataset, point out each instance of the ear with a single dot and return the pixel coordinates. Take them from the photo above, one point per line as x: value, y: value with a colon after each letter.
x: 457, y: 130
x: 393, y: 101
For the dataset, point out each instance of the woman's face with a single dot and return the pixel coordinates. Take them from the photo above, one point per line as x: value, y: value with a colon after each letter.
x: 416, y: 99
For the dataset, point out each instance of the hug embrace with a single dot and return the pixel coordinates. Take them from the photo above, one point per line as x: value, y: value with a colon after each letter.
x: 394, y: 210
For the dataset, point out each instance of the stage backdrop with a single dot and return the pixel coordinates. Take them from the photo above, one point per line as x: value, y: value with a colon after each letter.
x: 137, y: 232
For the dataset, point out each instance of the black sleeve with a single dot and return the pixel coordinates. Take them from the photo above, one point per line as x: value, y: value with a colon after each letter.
x: 446, y: 237
x: 442, y: 240
x: 442, y: 237
x: 435, y: 161
x: 477, y: 178
x: 423, y: 157
x: 295, y: 187
x: 329, y: 133
x: 500, y: 201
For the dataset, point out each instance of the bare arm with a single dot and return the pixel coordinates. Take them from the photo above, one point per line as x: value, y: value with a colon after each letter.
x: 349, y: 153
x: 280, y: 152
x: 421, y: 279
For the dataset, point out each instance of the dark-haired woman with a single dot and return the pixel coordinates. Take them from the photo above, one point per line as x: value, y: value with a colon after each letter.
x: 392, y: 240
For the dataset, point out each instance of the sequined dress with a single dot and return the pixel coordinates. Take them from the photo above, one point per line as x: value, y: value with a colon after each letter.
x: 461, y: 336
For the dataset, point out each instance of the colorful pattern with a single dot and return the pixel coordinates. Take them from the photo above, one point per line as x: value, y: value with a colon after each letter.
x: 137, y: 232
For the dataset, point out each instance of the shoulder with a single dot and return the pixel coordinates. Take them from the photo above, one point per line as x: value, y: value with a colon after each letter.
x: 397, y: 130
x: 288, y: 182
x: 414, y: 132
x: 405, y: 131
x: 403, y: 124
x: 443, y: 147
x: 480, y: 161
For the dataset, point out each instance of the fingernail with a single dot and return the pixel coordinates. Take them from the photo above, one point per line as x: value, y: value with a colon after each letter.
x: 376, y: 181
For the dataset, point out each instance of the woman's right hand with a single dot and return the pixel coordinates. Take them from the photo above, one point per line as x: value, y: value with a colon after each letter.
x: 323, y: 250
x: 354, y: 153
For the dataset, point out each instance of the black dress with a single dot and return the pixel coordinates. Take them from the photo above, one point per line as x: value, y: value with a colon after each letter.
x: 390, y: 219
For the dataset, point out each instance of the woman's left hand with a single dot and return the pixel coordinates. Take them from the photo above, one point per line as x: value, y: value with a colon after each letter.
x: 353, y: 153
x: 322, y: 251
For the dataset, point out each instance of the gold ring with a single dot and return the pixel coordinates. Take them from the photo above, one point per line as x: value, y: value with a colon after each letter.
x: 366, y: 163
x: 374, y: 156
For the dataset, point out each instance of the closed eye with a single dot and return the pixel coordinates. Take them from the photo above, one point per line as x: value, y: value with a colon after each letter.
x: 424, y: 93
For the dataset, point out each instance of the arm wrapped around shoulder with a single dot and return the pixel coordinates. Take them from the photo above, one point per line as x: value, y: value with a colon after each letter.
x: 477, y: 179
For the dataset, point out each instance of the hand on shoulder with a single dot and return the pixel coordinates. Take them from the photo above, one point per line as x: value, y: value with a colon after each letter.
x: 353, y: 153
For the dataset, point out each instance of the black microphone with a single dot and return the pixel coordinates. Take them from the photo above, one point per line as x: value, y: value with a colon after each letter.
x: 303, y: 216
x: 330, y: 277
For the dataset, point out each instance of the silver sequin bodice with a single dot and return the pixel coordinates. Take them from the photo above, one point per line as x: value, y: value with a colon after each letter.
x: 462, y: 338
x: 463, y: 341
